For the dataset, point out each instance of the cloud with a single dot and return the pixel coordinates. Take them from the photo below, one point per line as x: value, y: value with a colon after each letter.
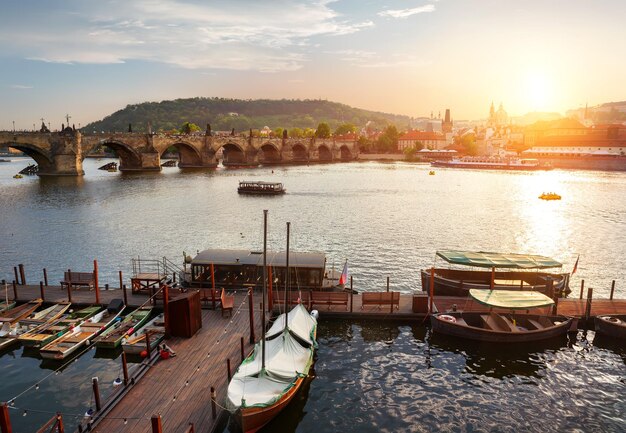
x: 242, y: 35
x: 21, y: 86
x: 404, y: 13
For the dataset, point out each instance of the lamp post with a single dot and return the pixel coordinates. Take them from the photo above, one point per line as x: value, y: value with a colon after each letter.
x: 13, y: 125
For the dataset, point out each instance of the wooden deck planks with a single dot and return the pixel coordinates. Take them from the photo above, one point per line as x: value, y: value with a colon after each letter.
x: 155, y: 392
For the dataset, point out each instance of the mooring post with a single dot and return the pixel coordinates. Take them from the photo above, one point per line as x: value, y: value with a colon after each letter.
x: 213, y: 406
x: 588, y: 307
x: 14, y: 290
x: 431, y: 290
x: 228, y: 368
x: 166, y: 313
x: 147, y: 334
x: 125, y: 368
x: 242, y: 352
x: 121, y: 280
x: 612, y: 290
x: 5, y: 420
x: 213, y: 298
x: 387, y: 284
x: 60, y: 426
x: 96, y: 392
x: 41, y: 294
x: 106, y: 287
x: 351, y: 295
x: 156, y: 424
x: 17, y: 277
x: 45, y: 277
x: 251, y: 311
x: 22, y: 274
x: 124, y: 293
x: 69, y: 286
x: 582, y: 288
x: 213, y: 285
x: 95, y: 281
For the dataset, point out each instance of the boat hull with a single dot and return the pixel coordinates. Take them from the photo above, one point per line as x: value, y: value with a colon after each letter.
x: 457, y: 329
x: 453, y: 282
x: 252, y: 419
x: 490, y: 166
x: 612, y: 326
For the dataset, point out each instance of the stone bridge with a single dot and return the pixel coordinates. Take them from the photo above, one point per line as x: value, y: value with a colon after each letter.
x: 62, y: 153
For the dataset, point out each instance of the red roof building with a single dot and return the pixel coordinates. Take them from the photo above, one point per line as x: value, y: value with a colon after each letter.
x: 430, y: 140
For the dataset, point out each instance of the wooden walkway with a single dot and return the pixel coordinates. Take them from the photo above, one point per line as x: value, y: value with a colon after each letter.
x: 179, y: 388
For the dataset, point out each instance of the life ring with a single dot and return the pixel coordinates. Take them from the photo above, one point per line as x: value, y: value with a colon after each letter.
x: 447, y: 318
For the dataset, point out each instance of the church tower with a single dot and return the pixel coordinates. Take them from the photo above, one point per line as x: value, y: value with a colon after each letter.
x: 446, y: 123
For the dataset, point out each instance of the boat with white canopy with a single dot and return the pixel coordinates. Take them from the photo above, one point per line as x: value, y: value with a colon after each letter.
x: 500, y: 327
x: 495, y: 271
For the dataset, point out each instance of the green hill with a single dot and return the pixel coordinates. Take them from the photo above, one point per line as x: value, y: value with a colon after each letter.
x: 225, y: 114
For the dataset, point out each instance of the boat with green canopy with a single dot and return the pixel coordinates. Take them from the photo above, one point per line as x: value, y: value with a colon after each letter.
x: 502, y: 327
x: 495, y: 271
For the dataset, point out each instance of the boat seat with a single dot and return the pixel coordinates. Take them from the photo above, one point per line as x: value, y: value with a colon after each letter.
x: 461, y: 321
x: 490, y: 321
x: 535, y: 324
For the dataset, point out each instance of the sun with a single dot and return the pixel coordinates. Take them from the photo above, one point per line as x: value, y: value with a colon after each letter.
x: 538, y: 90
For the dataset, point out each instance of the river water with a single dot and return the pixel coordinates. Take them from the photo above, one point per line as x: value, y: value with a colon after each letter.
x: 387, y: 219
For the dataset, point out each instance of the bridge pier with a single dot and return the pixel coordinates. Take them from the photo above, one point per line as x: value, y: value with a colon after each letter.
x: 146, y: 161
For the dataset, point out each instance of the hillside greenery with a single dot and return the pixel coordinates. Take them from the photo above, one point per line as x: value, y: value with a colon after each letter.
x: 242, y: 115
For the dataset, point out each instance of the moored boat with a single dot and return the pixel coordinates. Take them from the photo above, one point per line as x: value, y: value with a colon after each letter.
x: 80, y: 335
x: 6, y: 305
x: 9, y: 334
x: 112, y: 337
x: 503, y: 327
x: 135, y: 343
x: 507, y: 272
x: 16, y: 314
x: 493, y: 163
x: 612, y: 326
x: 262, y: 188
x: 48, y: 332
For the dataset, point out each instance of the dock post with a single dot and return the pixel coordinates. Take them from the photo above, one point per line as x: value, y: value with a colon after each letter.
x: 213, y: 285
x: 156, y: 424
x: 5, y: 420
x: 166, y: 313
x: 45, y: 277
x: 242, y: 352
x: 228, y: 368
x: 106, y: 286
x: 351, y: 295
x: 17, y: 277
x: 22, y: 274
x: 582, y: 288
x: 387, y: 284
x: 69, y: 286
x: 95, y: 281
x: 147, y: 334
x: 431, y: 284
x: 612, y: 290
x: 125, y: 368
x: 121, y: 280
x: 588, y: 306
x: 14, y: 290
x: 60, y: 426
x: 124, y: 292
x: 251, y: 311
x: 213, y: 407
x: 96, y: 393
x: 41, y: 294
x: 213, y: 298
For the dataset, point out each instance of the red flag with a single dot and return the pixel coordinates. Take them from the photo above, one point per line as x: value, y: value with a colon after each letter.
x: 343, y: 279
x: 575, y: 264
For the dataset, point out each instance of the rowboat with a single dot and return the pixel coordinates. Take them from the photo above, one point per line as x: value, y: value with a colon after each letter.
x: 268, y: 379
x: 5, y: 306
x: 9, y: 334
x: 260, y: 188
x: 16, y: 314
x: 135, y: 343
x: 50, y: 331
x: 80, y: 335
x: 112, y: 337
x: 501, y: 327
x: 612, y: 326
x: 498, y: 271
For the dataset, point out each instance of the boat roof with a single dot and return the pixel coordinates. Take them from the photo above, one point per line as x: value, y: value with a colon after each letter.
x: 259, y: 182
x: 255, y: 258
x: 512, y: 299
x: 482, y: 259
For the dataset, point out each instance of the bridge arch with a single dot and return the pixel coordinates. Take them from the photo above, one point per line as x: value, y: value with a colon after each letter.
x: 300, y: 153
x: 345, y: 153
x: 324, y: 153
x: 233, y: 154
x: 269, y: 154
x: 129, y: 158
x: 188, y: 155
x: 40, y: 156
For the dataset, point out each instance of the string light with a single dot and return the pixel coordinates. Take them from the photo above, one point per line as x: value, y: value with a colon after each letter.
x: 125, y: 421
x: 24, y: 414
x: 37, y: 386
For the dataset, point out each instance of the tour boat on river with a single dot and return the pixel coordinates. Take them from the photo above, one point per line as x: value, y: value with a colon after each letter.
x: 506, y: 272
x: 493, y: 163
x: 262, y: 188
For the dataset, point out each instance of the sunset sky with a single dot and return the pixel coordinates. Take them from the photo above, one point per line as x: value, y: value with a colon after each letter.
x: 90, y: 58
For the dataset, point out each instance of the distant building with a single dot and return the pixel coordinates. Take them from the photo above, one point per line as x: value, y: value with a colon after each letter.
x: 497, y: 118
x: 568, y: 137
x: 430, y: 140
